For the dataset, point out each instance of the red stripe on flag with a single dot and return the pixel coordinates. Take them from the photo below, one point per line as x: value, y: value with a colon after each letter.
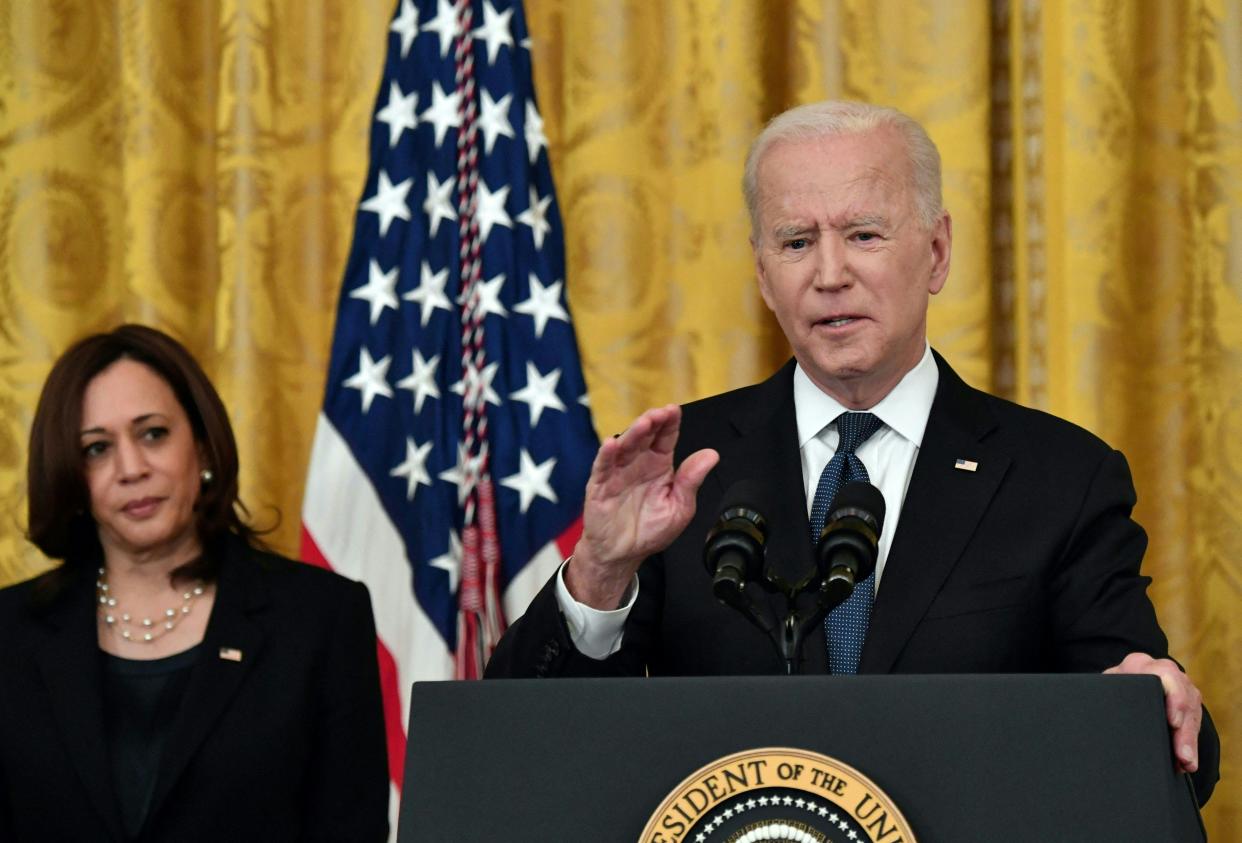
x: 392, y: 714
x: 393, y: 725
x: 566, y: 541
x: 310, y: 552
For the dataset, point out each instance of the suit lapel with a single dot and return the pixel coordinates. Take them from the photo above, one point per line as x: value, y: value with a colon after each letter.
x: 766, y: 453
x: 942, y: 509
x: 71, y: 670
x: 215, y: 680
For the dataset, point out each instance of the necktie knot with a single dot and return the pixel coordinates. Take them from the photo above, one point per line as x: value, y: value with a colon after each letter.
x: 855, y: 429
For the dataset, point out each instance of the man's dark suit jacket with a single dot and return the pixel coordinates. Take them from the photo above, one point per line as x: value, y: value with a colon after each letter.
x: 286, y: 743
x: 1029, y: 563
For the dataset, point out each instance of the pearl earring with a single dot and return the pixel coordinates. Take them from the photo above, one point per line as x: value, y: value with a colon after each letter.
x: 206, y: 476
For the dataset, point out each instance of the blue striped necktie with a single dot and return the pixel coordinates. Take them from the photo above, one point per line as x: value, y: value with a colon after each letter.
x: 846, y: 625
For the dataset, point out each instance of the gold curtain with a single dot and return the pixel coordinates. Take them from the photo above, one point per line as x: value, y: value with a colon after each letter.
x: 196, y: 165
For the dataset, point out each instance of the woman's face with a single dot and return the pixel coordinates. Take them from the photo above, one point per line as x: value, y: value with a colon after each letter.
x: 142, y: 463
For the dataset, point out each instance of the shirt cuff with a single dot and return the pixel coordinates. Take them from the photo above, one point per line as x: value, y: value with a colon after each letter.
x: 595, y: 634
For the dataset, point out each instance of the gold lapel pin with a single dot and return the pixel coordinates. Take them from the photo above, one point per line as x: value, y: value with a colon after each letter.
x: 966, y: 465
x: 229, y: 654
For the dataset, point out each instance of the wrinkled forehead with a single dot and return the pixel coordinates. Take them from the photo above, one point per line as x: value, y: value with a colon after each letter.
x: 834, y: 179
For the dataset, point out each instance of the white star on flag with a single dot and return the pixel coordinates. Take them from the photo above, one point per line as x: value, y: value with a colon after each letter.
x: 450, y: 562
x: 544, y: 303
x: 487, y: 297
x: 379, y: 291
x: 388, y: 201
x: 399, y: 114
x: 439, y: 202
x: 531, y: 481
x: 370, y: 379
x: 536, y: 216
x: 429, y: 294
x: 495, y: 30
x: 535, y: 138
x: 406, y: 25
x: 421, y: 380
x: 443, y: 24
x: 540, y: 392
x: 443, y: 113
x: 465, y: 474
x: 491, y: 209
x: 473, y: 382
x: 414, y: 468
x: 494, y: 119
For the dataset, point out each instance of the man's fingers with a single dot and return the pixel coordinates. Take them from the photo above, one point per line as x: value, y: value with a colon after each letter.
x: 650, y: 432
x: 605, y: 459
x: 668, y: 427
x: 693, y: 470
x: 632, y: 460
x: 1186, y: 741
x: 1182, y: 702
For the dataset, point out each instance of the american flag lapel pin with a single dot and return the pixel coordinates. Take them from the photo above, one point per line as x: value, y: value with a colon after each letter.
x: 966, y: 465
x: 230, y: 654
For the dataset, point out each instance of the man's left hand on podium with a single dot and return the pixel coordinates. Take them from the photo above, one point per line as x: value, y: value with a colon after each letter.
x: 1183, y: 704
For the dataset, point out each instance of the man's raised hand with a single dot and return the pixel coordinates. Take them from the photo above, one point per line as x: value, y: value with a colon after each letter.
x: 636, y: 504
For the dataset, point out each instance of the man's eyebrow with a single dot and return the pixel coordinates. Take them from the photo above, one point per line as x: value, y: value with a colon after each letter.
x: 865, y: 221
x: 793, y: 229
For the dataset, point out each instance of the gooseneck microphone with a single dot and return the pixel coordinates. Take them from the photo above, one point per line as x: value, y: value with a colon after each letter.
x: 846, y: 551
x: 735, y: 557
x: 733, y: 553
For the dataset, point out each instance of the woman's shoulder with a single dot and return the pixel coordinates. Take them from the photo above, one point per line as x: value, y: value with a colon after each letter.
x: 35, y: 608
x: 291, y: 576
x: 34, y: 595
x: 17, y: 598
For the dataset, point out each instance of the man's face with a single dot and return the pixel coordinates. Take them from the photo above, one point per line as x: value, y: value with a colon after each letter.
x: 844, y: 262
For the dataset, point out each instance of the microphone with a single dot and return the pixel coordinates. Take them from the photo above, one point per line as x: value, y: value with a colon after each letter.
x: 733, y: 552
x: 846, y: 551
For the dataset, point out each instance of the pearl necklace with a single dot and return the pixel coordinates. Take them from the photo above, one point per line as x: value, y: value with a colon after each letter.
x: 151, y: 629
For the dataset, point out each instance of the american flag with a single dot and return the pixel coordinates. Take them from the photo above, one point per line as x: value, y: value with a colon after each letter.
x: 455, y: 440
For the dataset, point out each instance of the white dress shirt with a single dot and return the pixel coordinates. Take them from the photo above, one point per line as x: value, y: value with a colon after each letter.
x: 889, y: 455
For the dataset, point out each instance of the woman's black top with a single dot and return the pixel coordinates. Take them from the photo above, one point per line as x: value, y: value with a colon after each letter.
x: 141, y: 698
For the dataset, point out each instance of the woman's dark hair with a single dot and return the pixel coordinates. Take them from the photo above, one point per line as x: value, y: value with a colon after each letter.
x: 59, y: 506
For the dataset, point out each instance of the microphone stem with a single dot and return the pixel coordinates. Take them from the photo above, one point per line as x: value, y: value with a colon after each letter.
x: 791, y: 643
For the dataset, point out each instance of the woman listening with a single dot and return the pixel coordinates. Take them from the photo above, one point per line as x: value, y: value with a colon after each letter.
x: 171, y: 679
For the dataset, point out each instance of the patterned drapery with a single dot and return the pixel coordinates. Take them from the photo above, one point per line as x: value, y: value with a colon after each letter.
x: 195, y: 165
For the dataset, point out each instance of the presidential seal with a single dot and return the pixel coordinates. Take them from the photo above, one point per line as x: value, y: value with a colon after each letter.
x: 777, y: 794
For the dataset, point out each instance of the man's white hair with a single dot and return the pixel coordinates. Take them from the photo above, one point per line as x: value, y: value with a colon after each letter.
x: 839, y: 117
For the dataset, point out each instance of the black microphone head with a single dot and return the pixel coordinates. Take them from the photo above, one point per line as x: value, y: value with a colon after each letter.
x: 739, y: 529
x: 742, y: 494
x: 861, y: 500
x: 846, y: 550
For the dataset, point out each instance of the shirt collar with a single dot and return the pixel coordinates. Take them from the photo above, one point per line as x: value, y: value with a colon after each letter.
x: 905, y: 409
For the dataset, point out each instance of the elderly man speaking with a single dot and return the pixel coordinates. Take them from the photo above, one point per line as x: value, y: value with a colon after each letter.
x: 1008, y: 545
